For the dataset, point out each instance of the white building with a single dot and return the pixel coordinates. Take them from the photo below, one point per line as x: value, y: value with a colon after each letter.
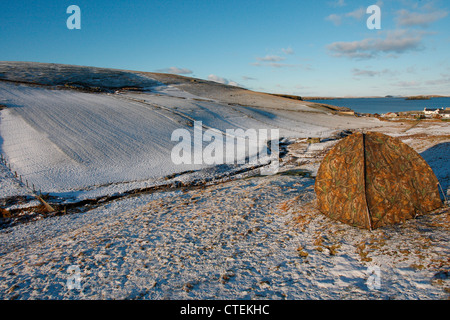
x: 435, y: 112
x: 430, y: 111
x: 446, y: 114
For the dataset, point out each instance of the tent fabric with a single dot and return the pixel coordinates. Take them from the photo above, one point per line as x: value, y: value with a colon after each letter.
x: 371, y: 180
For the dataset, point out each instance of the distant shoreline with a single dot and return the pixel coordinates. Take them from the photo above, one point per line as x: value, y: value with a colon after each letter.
x: 415, y: 97
x: 382, y: 105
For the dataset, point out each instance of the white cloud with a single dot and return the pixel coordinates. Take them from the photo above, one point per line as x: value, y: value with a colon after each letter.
x: 407, y: 84
x: 215, y: 78
x: 444, y: 80
x: 410, y: 19
x: 356, y: 14
x: 397, y: 41
x: 338, y: 3
x: 369, y: 73
x: 288, y: 50
x: 175, y: 70
x: 282, y: 65
x: 270, y: 58
x: 337, y: 19
x: 275, y: 61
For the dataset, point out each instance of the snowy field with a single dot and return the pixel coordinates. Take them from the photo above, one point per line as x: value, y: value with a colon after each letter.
x: 250, y: 237
x: 258, y: 238
x: 66, y: 142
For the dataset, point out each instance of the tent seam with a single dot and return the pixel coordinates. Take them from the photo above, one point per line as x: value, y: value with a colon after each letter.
x: 369, y: 217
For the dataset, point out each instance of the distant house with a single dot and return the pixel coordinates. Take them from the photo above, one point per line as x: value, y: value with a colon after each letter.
x: 431, y: 111
x: 437, y: 112
x: 390, y: 115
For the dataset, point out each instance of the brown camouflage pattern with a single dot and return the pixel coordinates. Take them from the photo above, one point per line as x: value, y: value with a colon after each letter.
x: 372, y: 180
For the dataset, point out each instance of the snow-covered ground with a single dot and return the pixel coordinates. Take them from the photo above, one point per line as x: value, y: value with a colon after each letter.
x: 252, y: 237
x: 52, y: 74
x: 66, y: 141
x: 62, y: 140
x: 257, y: 238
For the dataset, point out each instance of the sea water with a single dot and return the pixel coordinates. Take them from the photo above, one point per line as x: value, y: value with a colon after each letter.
x: 384, y: 105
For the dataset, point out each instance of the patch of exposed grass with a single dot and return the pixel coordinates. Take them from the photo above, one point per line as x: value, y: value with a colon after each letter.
x: 363, y: 252
x: 301, y: 252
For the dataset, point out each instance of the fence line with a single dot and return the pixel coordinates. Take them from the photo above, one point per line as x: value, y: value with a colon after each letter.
x: 22, y: 181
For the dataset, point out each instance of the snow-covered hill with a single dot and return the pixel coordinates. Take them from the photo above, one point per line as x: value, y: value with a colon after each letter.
x: 68, y: 140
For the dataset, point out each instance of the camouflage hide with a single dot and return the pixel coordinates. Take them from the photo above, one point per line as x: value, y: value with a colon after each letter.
x: 371, y: 180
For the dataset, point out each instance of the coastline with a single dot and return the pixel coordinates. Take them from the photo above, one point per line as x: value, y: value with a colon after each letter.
x: 383, y: 105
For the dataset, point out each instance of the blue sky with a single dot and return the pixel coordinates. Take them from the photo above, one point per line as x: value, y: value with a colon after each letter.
x: 307, y: 48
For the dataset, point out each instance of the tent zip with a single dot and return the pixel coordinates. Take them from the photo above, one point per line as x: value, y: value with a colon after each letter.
x: 369, y: 217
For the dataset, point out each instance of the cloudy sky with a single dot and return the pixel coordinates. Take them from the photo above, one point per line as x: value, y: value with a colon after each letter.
x: 307, y: 48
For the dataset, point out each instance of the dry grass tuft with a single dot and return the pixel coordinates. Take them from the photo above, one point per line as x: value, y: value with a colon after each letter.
x: 363, y: 252
x: 288, y: 204
x: 305, y: 214
x: 301, y: 252
x: 4, y: 213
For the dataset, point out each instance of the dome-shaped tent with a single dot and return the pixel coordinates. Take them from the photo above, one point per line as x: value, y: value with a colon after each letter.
x: 370, y: 180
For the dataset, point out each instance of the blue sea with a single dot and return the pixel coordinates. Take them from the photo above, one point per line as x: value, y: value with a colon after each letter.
x: 384, y: 105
